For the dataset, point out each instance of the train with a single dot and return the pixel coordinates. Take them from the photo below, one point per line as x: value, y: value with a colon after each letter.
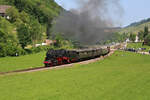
x: 63, y: 56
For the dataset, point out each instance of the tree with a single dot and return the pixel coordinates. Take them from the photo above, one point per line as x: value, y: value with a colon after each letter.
x: 36, y: 32
x: 59, y: 39
x: 13, y: 14
x: 147, y: 40
x: 118, y: 37
x: 24, y: 35
x: 30, y: 33
x: 146, y: 31
x: 141, y: 35
x: 132, y: 37
x: 9, y: 45
x: 24, y: 17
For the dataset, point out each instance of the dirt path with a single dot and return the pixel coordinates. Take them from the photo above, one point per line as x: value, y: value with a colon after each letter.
x: 56, y: 67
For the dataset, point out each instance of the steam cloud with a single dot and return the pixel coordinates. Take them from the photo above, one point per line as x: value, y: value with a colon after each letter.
x: 90, y: 22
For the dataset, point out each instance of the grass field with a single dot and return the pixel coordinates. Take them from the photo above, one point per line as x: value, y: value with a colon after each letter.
x: 138, y: 45
x: 123, y: 76
x: 22, y: 62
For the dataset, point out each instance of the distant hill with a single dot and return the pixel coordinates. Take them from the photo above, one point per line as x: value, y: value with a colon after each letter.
x: 139, y: 23
x: 136, y: 26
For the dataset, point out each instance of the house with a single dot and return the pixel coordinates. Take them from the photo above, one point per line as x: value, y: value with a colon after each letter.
x: 47, y: 42
x: 50, y: 42
x: 3, y: 9
x: 127, y: 40
x: 137, y: 39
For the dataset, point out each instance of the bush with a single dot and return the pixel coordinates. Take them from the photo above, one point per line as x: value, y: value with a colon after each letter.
x: 21, y: 51
x: 10, y: 50
x: 28, y: 51
x: 40, y: 48
x: 3, y: 51
x: 37, y: 49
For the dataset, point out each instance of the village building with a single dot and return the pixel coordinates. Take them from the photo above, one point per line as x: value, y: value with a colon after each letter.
x: 46, y: 42
x: 137, y: 39
x: 127, y: 40
x: 3, y: 9
x: 49, y: 42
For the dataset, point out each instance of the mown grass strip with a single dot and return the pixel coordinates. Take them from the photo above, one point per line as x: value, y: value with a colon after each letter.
x: 22, y: 62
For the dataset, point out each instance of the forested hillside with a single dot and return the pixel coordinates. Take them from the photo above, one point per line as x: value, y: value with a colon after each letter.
x: 136, y: 26
x: 29, y: 23
x: 42, y: 10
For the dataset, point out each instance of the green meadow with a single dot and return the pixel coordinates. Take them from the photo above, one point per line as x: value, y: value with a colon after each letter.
x: 138, y: 45
x: 122, y: 76
x: 22, y: 62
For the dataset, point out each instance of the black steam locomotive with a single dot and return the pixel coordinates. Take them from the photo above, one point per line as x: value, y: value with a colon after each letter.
x: 62, y: 56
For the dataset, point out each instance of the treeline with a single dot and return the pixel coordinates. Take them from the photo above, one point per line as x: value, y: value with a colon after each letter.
x: 115, y: 37
x: 144, y: 36
x: 30, y: 23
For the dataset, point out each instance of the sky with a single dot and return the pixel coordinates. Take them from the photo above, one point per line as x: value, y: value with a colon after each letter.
x: 134, y: 10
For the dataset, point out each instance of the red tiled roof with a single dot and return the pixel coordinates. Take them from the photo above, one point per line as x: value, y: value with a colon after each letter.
x: 3, y: 8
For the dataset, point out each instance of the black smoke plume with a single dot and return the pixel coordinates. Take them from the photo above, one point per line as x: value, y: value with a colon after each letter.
x: 90, y: 22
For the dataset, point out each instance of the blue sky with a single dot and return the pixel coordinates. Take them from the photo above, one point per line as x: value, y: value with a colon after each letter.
x: 134, y: 10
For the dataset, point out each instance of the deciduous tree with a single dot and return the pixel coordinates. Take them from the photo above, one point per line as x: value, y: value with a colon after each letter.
x: 36, y: 32
x: 141, y: 35
x: 146, y: 31
x: 147, y: 39
x: 24, y: 35
x: 132, y: 37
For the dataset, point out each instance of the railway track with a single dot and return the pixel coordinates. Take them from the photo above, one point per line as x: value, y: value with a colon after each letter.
x: 56, y: 67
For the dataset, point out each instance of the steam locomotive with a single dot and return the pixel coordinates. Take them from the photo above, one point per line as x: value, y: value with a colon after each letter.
x: 62, y: 56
